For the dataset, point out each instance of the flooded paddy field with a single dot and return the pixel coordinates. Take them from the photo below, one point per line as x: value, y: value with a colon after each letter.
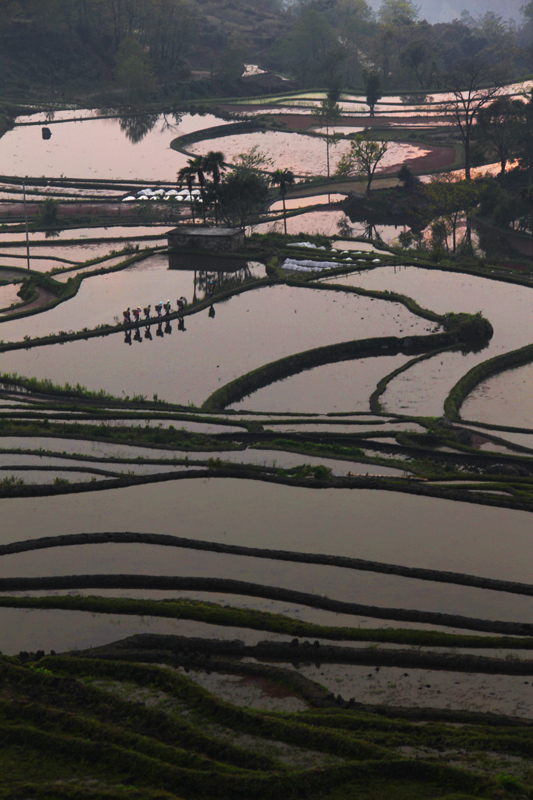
x: 375, y: 525
x: 95, y: 147
x: 113, y: 233
x: 186, y: 366
x: 302, y: 202
x: 8, y: 295
x: 325, y: 222
x: 333, y: 387
x: 304, y: 155
x: 334, y: 583
x: 356, y: 103
x: 503, y: 398
x: 380, y: 526
x: 422, y: 389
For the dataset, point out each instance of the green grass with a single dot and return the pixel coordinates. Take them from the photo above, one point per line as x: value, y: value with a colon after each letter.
x: 65, y: 726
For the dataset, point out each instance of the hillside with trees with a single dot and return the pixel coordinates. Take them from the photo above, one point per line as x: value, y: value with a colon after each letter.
x: 446, y: 10
x: 186, y: 49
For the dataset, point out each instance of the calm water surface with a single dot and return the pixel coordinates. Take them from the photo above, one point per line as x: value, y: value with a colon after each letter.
x: 502, y: 398
x: 96, y: 148
x: 377, y: 525
x: 304, y: 155
x: 248, y: 330
x: 422, y: 389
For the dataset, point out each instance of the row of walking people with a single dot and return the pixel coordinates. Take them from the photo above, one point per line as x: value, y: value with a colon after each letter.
x: 181, y: 302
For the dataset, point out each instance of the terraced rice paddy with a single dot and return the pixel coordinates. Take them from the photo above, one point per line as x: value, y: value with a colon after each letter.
x: 251, y: 548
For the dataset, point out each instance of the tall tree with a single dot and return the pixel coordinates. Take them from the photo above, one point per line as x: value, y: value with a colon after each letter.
x: 449, y: 198
x: 373, y: 88
x: 168, y: 30
x: 354, y: 20
x: 398, y: 12
x: 498, y: 127
x: 327, y: 115
x: 214, y: 164
x: 308, y: 45
x: 198, y: 164
x: 187, y: 175
x: 471, y: 85
x: 396, y: 23
x: 243, y: 191
x: 134, y: 69
x: 419, y: 57
x: 283, y: 178
x: 242, y: 195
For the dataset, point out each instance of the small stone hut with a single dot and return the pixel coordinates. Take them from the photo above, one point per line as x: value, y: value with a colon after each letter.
x: 220, y: 239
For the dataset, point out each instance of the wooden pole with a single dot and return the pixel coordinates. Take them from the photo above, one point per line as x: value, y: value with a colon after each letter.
x: 26, y: 225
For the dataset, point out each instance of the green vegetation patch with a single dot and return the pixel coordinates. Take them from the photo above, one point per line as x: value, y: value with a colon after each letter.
x: 216, y: 614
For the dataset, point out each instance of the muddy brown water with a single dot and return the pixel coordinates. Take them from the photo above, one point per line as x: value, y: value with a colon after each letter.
x: 376, y: 525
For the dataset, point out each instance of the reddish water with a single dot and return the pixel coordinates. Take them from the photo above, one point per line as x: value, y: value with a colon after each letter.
x: 96, y: 148
x: 304, y: 155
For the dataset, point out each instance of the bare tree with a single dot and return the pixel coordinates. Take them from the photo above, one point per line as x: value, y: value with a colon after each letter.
x: 471, y: 85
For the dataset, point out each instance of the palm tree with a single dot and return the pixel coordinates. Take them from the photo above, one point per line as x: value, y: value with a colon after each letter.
x: 283, y: 178
x: 213, y: 164
x: 198, y: 164
x: 187, y: 175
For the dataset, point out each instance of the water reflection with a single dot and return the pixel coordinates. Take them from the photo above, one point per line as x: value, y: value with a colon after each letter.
x: 371, y: 233
x: 213, y: 275
x: 136, y: 127
x: 163, y: 328
x: 85, y: 146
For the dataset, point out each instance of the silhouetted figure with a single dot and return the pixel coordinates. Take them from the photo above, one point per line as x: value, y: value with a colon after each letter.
x: 127, y: 337
x: 167, y: 307
x: 127, y: 316
x: 148, y: 333
x: 146, y: 311
x: 211, y: 311
x: 136, y: 314
x: 159, y: 308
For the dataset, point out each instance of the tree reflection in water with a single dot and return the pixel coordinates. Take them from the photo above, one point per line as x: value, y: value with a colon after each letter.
x: 136, y: 125
x: 209, y: 283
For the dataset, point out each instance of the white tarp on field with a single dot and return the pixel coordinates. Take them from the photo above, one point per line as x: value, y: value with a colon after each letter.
x: 307, y: 265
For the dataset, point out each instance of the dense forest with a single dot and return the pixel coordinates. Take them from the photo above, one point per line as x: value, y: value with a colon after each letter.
x: 446, y: 10
x: 192, y: 48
